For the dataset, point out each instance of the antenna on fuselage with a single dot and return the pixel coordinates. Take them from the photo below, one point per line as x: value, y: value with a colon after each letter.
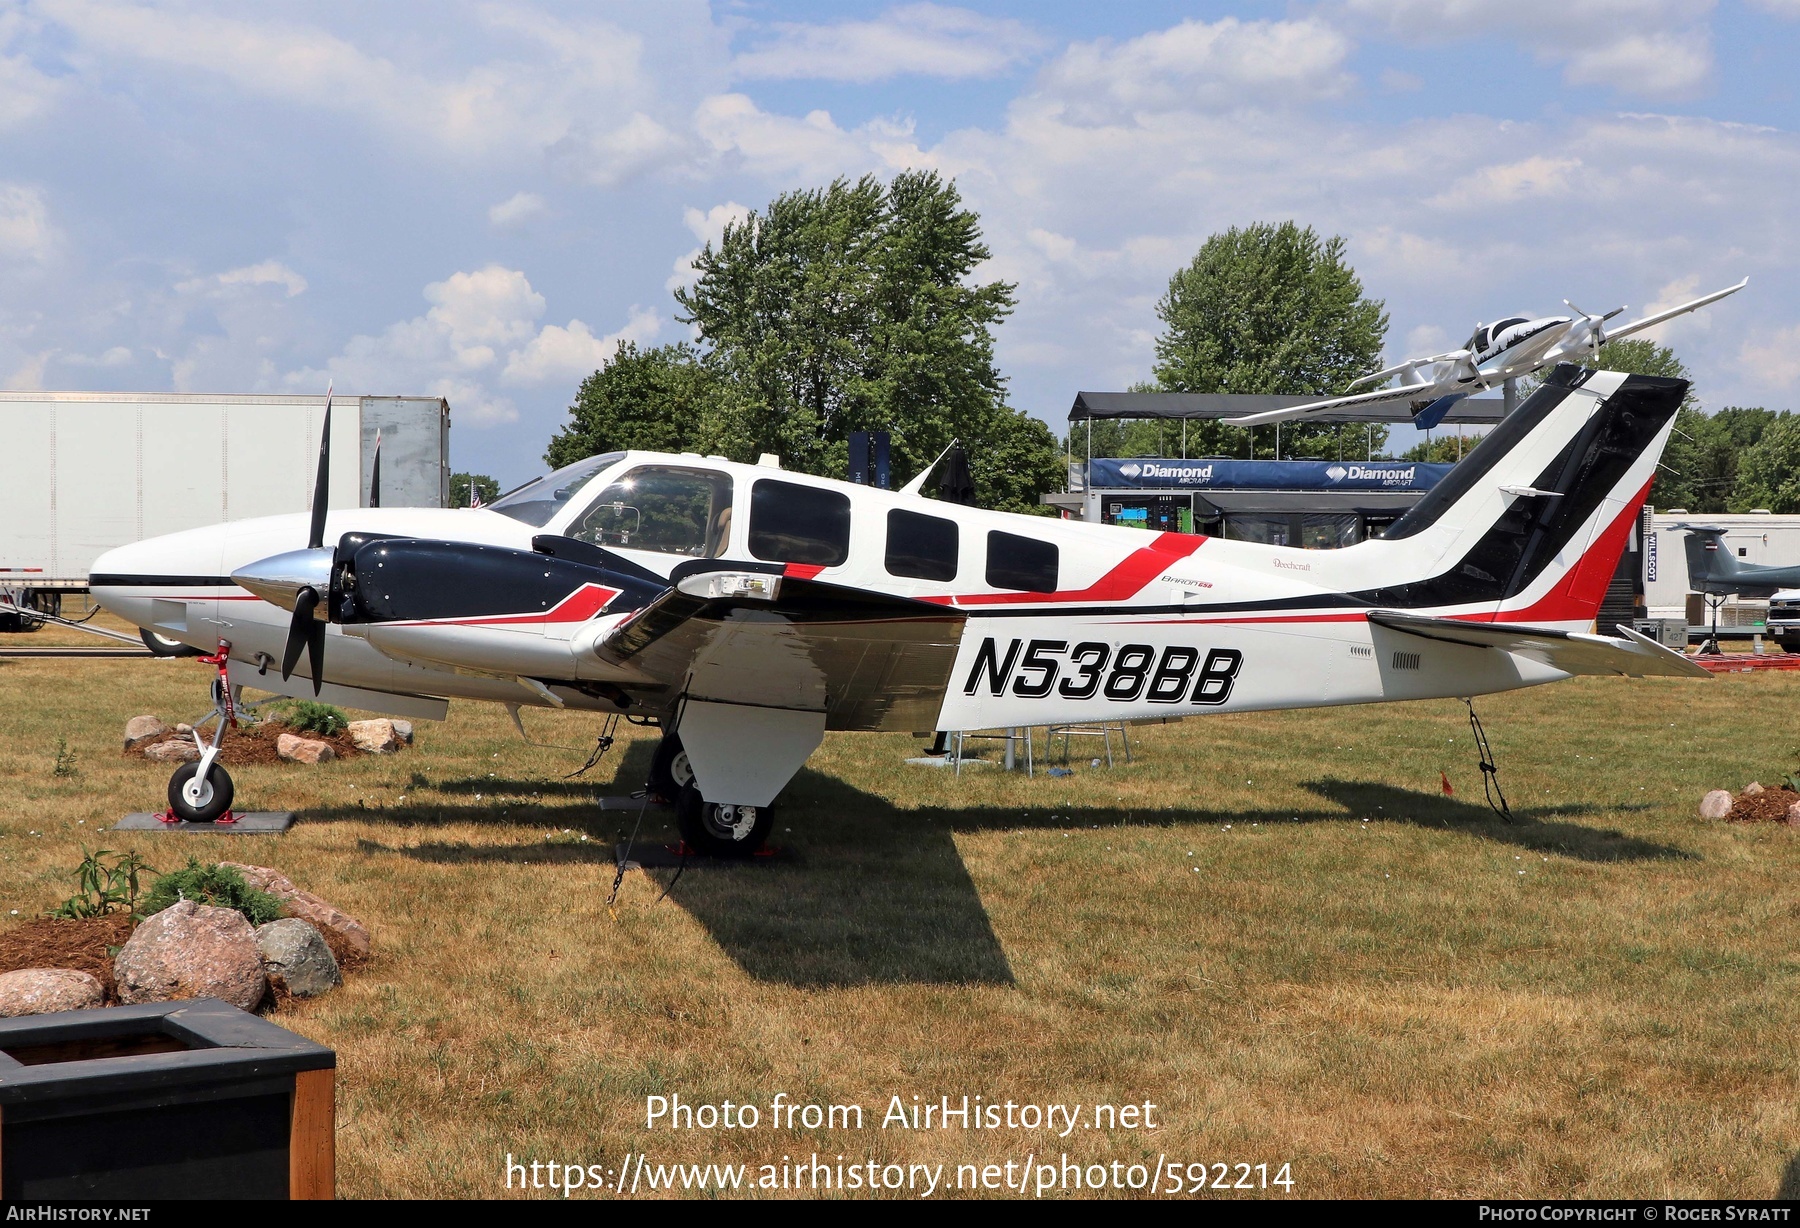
x: 917, y: 485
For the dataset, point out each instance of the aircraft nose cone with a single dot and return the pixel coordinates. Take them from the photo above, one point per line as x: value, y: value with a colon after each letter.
x: 279, y: 578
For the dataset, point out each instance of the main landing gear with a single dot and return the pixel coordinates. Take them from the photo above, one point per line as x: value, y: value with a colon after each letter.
x: 201, y: 792
x: 712, y: 829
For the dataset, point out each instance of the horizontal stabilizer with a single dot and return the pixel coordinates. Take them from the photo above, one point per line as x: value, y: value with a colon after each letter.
x: 1573, y: 652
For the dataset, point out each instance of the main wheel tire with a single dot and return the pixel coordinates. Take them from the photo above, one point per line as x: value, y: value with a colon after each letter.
x: 214, y: 796
x: 670, y: 771
x: 724, y: 831
x: 162, y: 646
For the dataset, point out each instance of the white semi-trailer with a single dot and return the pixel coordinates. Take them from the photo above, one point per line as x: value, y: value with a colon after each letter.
x: 88, y: 471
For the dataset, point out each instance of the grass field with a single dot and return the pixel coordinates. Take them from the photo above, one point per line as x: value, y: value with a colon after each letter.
x: 1275, y: 928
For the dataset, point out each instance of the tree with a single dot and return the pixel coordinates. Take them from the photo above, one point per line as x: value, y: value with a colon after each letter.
x: 851, y: 308
x: 1269, y: 309
x: 1443, y: 450
x: 459, y: 488
x: 1768, y: 475
x: 662, y: 400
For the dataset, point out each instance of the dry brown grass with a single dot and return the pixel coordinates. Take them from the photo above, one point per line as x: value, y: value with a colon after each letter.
x: 1272, y: 926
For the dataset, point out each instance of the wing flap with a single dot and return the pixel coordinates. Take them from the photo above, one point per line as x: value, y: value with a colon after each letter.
x: 867, y: 660
x: 1573, y: 652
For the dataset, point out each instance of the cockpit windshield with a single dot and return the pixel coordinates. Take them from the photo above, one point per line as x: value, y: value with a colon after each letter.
x: 536, y: 502
x: 1478, y: 340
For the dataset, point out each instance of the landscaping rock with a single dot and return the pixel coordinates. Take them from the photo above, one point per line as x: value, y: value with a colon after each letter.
x: 404, y: 729
x: 1793, y: 815
x: 191, y: 950
x: 183, y: 728
x: 1752, y: 789
x: 294, y: 955
x: 1716, y: 805
x: 38, y: 991
x: 306, y: 906
x: 173, y: 752
x: 143, y: 730
x: 303, y: 750
x: 378, y: 737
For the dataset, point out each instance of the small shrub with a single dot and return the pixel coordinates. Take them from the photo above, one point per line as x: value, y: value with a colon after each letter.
x: 214, y: 885
x: 64, y: 766
x: 103, y: 888
x: 311, y: 716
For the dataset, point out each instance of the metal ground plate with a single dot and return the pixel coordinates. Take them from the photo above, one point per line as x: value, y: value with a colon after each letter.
x: 259, y: 824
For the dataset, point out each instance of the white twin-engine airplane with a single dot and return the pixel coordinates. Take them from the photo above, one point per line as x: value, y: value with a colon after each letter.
x: 748, y: 610
x: 1514, y: 347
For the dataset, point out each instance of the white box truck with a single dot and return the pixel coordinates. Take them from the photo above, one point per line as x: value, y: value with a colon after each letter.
x: 88, y: 471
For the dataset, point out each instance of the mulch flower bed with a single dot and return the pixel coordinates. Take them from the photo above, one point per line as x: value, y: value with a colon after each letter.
x: 1769, y: 806
x: 52, y: 942
x: 252, y: 744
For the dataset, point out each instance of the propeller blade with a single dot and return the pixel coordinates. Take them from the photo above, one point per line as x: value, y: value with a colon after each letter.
x: 299, y: 631
x: 375, y: 475
x: 316, y: 537
x: 315, y: 654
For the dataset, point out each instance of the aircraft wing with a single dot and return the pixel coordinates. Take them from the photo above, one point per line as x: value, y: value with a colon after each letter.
x: 1634, y: 656
x: 867, y: 660
x: 1637, y: 326
x: 1405, y: 392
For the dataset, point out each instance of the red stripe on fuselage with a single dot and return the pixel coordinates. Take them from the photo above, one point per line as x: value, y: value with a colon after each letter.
x: 1122, y: 583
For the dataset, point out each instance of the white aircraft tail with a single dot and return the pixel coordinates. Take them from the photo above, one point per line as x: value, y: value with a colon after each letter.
x: 1530, y: 526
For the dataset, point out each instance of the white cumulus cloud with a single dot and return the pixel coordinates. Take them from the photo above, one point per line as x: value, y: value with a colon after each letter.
x: 518, y: 207
x: 266, y: 273
x: 25, y: 230
x: 573, y: 353
x: 919, y: 39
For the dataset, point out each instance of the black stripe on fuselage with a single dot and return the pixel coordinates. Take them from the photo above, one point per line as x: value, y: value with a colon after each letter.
x: 139, y: 581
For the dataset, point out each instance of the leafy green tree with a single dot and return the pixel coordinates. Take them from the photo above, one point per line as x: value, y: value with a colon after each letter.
x: 1269, y: 308
x: 1444, y: 449
x: 852, y: 308
x: 460, y: 483
x: 1768, y: 475
x: 662, y: 399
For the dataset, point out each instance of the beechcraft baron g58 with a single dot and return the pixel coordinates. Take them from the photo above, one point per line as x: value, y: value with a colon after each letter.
x: 1494, y: 353
x: 749, y: 610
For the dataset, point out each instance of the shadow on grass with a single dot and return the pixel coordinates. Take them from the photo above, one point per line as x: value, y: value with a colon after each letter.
x: 863, y: 892
x: 1789, y: 1190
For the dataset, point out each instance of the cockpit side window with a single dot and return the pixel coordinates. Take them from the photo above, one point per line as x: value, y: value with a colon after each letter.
x: 661, y: 508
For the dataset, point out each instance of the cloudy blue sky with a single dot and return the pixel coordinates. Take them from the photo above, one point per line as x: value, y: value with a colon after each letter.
x: 480, y: 199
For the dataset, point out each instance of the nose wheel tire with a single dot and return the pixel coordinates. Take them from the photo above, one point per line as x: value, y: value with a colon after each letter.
x: 721, y: 830
x: 199, y: 801
x: 670, y: 770
x: 163, y: 646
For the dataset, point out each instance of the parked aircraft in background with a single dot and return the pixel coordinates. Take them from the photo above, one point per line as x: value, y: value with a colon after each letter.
x: 1494, y: 353
x: 747, y: 610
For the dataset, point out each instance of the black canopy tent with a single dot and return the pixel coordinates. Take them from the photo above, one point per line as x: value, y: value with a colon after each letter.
x: 1182, y: 406
x: 1472, y: 411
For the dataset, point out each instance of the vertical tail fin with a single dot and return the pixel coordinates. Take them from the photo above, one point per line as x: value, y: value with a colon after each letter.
x: 1529, y: 528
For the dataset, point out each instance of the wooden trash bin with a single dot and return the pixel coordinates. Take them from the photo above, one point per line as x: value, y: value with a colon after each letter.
x: 188, y: 1099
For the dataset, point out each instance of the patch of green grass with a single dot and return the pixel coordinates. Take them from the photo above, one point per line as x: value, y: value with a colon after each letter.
x: 1274, y: 926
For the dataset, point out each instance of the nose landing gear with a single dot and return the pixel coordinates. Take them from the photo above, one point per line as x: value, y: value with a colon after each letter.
x: 201, y: 792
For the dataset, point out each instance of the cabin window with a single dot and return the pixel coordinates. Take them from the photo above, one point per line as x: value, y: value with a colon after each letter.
x: 1024, y: 563
x: 791, y: 523
x: 664, y: 509
x: 921, y: 547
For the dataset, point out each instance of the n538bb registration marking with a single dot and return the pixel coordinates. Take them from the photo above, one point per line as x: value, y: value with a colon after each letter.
x: 1035, y: 669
